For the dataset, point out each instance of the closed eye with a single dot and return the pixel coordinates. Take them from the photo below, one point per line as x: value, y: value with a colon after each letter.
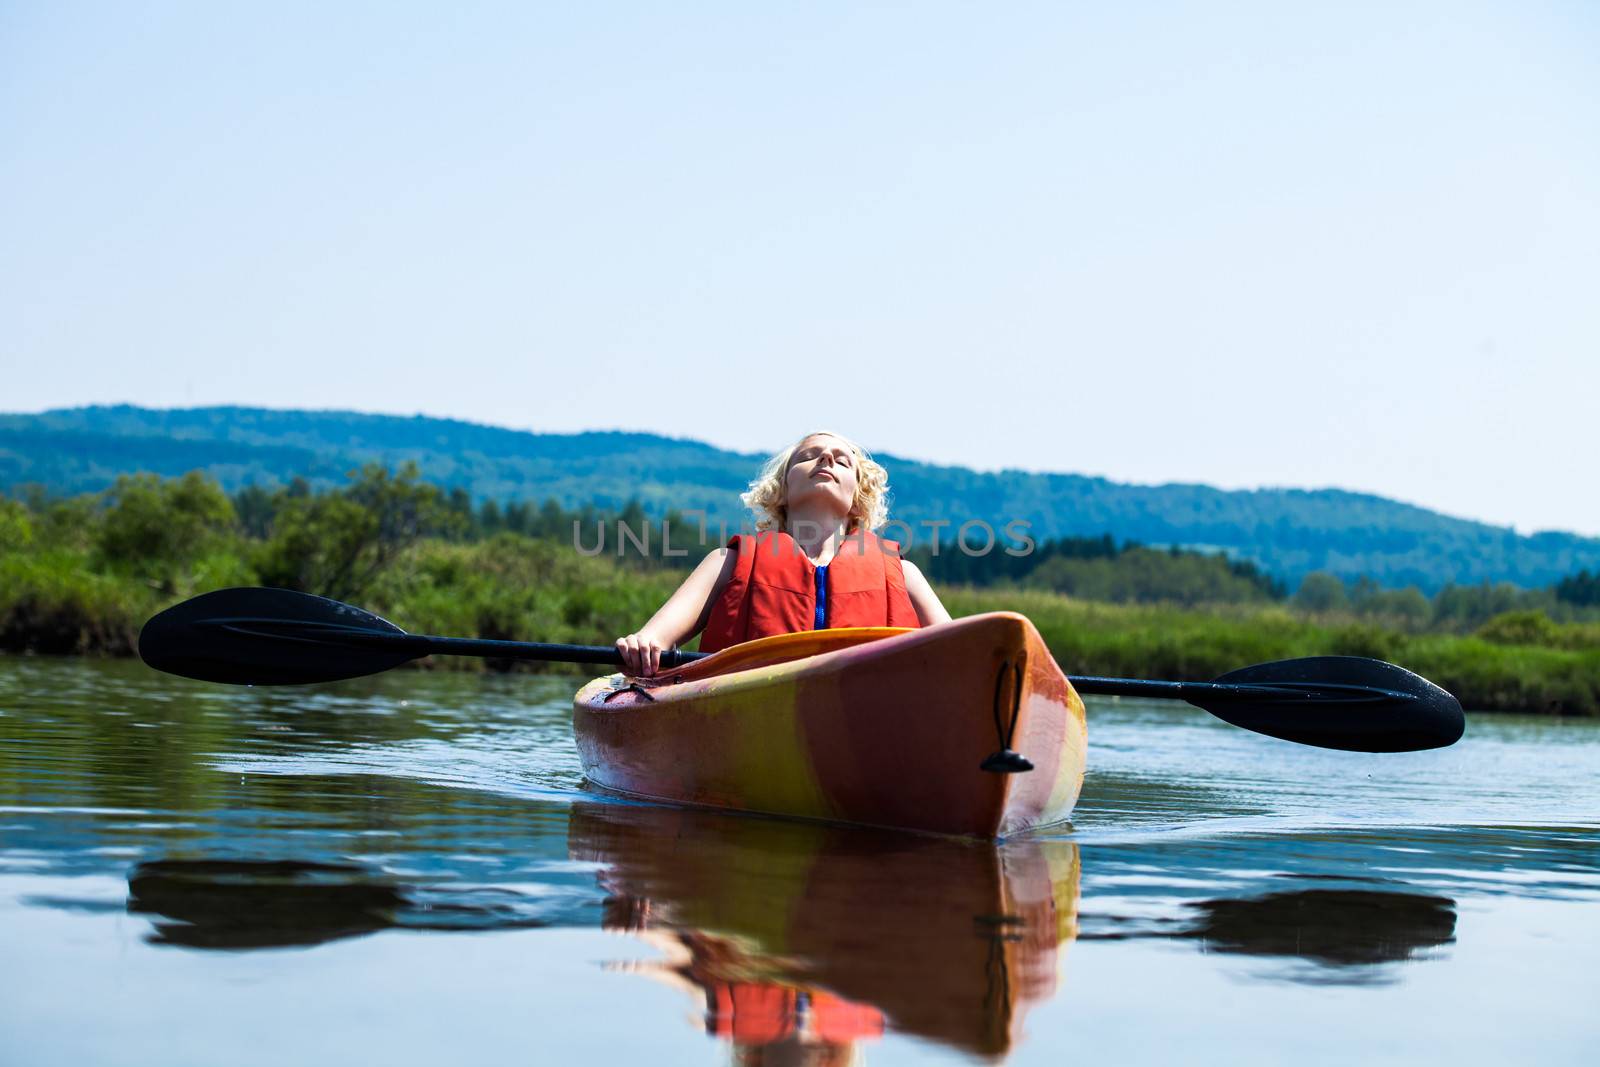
x: 840, y: 456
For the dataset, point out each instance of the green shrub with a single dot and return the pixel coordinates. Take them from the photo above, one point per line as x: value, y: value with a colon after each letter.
x: 154, y: 529
x: 1168, y: 643
x: 16, y: 528
x: 1370, y: 641
x: 514, y: 588
x: 52, y: 603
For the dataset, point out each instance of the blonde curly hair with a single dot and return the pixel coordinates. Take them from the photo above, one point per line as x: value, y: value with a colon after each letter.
x: 767, y: 498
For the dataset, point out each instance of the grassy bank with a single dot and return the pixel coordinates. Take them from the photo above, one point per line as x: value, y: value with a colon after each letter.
x: 1140, y: 641
x: 81, y: 575
x: 518, y: 588
x: 507, y: 588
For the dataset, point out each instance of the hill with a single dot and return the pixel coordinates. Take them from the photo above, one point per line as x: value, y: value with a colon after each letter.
x: 1288, y: 532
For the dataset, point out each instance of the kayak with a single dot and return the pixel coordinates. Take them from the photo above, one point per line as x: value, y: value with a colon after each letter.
x: 878, y: 726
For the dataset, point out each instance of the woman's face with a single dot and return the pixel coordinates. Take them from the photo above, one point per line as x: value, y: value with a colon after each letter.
x: 822, y: 471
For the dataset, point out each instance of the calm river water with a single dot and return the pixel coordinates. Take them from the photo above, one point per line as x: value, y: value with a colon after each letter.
x: 409, y: 870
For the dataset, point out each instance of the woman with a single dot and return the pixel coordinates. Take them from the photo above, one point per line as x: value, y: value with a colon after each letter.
x: 813, y: 564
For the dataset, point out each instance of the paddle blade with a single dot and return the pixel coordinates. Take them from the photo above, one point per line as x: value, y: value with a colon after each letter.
x: 271, y: 637
x: 1341, y: 702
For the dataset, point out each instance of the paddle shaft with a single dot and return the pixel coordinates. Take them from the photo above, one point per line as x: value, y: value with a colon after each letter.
x: 263, y: 636
x: 1321, y: 692
x: 417, y: 645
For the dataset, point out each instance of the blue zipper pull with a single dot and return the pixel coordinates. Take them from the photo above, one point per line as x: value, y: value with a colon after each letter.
x: 820, y: 619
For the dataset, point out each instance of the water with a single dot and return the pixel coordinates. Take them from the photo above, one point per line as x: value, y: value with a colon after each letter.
x: 408, y: 869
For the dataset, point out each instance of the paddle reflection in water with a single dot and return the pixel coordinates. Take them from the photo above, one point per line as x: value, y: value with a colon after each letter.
x: 1345, y: 931
x: 1344, y: 935
x: 251, y: 904
x: 802, y: 939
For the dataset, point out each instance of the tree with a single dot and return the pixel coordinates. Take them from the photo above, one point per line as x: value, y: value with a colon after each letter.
x: 490, y: 520
x: 255, y: 508
x: 553, y: 519
x: 16, y: 529
x: 156, y: 529
x: 1320, y: 592
x: 1463, y: 607
x: 1582, y: 589
x: 335, y: 544
x: 459, y: 504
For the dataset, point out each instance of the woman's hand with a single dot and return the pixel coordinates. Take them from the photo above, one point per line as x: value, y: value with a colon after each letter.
x: 641, y: 653
x: 681, y: 617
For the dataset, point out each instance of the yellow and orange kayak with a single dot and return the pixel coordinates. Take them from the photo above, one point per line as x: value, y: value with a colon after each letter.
x: 878, y: 726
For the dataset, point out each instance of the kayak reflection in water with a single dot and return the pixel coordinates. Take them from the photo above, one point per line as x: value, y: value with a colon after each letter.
x: 800, y: 942
x: 813, y: 564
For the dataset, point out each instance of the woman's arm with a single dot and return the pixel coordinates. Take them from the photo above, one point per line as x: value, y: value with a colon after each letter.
x: 683, y: 615
x: 923, y: 598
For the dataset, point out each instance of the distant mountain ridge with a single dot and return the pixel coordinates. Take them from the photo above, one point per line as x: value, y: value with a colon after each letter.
x: 1289, y: 532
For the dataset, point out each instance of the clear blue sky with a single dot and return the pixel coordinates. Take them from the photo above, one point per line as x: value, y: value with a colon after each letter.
x: 1264, y: 244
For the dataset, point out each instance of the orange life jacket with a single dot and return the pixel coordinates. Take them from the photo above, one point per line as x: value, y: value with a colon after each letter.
x: 773, y: 589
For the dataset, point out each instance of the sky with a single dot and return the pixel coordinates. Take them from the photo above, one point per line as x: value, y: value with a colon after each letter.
x: 1352, y: 245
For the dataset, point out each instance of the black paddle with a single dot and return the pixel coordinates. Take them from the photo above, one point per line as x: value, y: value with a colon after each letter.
x: 280, y: 637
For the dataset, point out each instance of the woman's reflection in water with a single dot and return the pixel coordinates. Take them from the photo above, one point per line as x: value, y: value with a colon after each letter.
x: 767, y: 1021
x: 803, y: 941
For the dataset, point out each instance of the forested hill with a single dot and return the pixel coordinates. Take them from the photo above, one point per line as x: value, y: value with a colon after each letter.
x: 1288, y: 532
